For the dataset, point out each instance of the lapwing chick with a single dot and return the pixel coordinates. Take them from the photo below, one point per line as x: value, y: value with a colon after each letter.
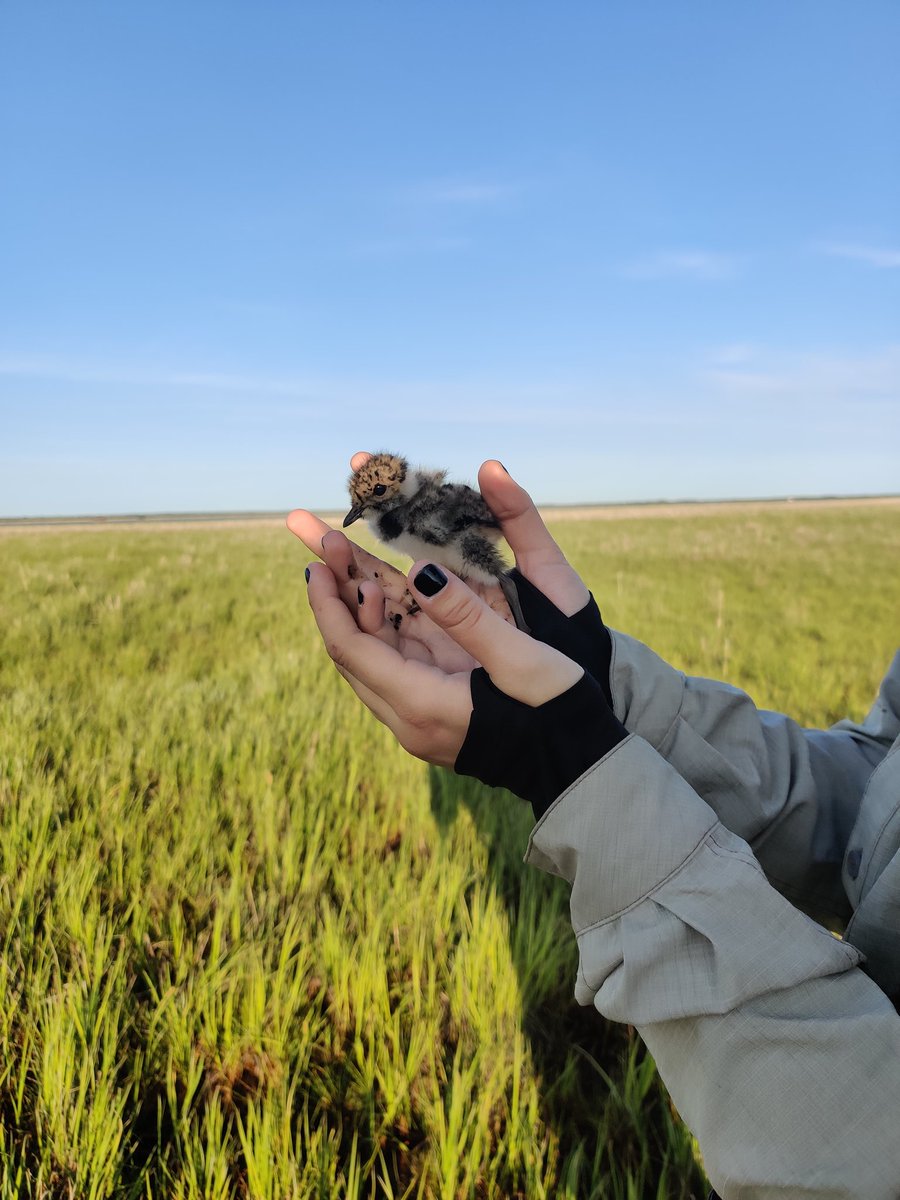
x: 417, y: 512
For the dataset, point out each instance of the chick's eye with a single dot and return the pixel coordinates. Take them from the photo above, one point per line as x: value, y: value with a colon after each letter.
x: 379, y: 489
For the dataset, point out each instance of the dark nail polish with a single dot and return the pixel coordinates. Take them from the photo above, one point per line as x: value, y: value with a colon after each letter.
x: 307, y: 574
x: 430, y: 580
x: 359, y: 596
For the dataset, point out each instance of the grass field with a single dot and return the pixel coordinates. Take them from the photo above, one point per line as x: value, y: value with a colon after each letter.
x: 249, y: 948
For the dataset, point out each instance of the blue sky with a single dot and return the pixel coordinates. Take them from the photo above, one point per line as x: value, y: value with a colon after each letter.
x: 634, y: 251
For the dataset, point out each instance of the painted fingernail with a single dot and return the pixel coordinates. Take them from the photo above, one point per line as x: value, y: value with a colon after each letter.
x: 430, y: 580
x: 359, y: 596
x: 307, y: 574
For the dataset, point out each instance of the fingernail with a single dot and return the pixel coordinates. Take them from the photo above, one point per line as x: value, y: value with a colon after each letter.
x: 501, y: 464
x: 307, y: 574
x: 430, y: 580
x: 359, y: 596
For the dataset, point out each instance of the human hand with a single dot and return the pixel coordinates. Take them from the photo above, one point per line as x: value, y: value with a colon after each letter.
x: 400, y: 623
x: 532, y: 721
x: 538, y: 557
x: 549, y: 589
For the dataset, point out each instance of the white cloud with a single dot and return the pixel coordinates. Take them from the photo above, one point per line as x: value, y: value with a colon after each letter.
x: 135, y: 375
x: 729, y: 384
x: 683, y: 264
x: 812, y: 377
x: 399, y: 247
x: 733, y: 354
x: 461, y: 192
x: 874, y: 256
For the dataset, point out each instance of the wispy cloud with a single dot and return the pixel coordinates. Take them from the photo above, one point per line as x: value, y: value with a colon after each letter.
x: 135, y: 375
x: 812, y: 377
x: 251, y: 401
x: 411, y: 245
x: 434, y: 401
x: 874, y: 256
x: 734, y: 354
x: 799, y: 390
x: 461, y: 192
x: 431, y: 213
x: 683, y: 264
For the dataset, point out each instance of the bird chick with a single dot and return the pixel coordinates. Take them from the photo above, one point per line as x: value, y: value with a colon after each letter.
x: 418, y: 513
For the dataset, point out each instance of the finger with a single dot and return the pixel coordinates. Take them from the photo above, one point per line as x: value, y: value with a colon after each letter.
x: 352, y: 564
x: 530, y: 540
x: 373, y: 702
x: 337, y: 553
x: 378, y: 666
x: 370, y: 614
x: 525, y: 669
x: 342, y: 557
x: 309, y: 528
x: 522, y: 524
x: 360, y: 457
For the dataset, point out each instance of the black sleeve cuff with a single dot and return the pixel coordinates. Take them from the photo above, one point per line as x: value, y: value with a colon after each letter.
x: 536, y: 752
x: 582, y: 637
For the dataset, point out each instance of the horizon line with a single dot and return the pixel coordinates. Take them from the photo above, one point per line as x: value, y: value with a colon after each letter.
x: 191, y: 516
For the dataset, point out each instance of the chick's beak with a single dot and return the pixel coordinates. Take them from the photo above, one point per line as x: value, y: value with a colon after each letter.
x: 354, y: 514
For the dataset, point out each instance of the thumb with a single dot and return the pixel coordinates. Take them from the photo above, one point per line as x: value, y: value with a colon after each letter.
x: 530, y: 671
x: 538, y: 557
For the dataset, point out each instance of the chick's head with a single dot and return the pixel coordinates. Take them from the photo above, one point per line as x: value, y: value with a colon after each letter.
x: 376, y: 485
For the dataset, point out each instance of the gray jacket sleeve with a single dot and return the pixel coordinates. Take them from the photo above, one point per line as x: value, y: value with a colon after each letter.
x: 793, y: 794
x: 778, y: 1050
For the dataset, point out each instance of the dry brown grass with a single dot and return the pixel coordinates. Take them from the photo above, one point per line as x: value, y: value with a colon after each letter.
x: 562, y: 512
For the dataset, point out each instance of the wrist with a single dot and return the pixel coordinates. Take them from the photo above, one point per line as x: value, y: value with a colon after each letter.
x: 536, y: 752
x: 583, y: 637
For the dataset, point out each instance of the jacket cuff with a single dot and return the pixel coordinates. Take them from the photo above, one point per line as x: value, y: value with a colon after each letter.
x: 619, y: 826
x: 672, y: 912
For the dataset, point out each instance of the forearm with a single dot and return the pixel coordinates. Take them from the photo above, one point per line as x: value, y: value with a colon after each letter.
x: 794, y: 1093
x: 746, y: 1004
x: 792, y: 793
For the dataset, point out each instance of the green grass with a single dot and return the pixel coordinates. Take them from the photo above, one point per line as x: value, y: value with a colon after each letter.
x: 250, y: 948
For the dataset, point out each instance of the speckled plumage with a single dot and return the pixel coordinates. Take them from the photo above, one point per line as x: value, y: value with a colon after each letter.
x: 417, y: 512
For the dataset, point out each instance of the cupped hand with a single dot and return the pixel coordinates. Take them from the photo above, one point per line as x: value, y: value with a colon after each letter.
x: 404, y: 626
x: 426, y: 706
x: 379, y: 596
x: 538, y: 557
